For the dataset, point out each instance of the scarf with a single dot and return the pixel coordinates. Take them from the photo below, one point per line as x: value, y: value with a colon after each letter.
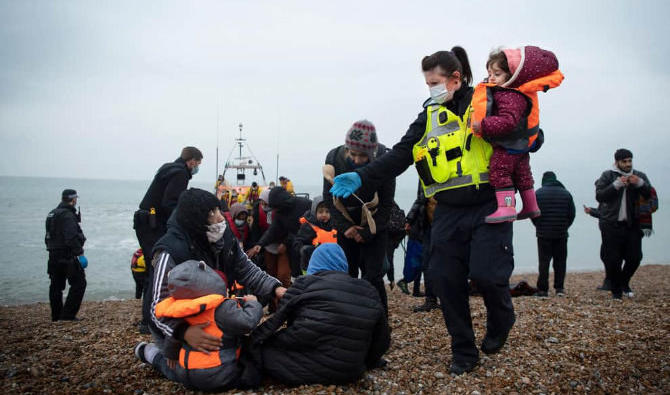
x: 623, y: 210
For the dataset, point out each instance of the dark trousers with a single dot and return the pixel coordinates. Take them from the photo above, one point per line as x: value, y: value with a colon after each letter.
x: 369, y: 258
x: 546, y: 250
x: 64, y: 267
x: 147, y: 237
x: 425, y: 264
x: 621, y: 242
x: 463, y: 246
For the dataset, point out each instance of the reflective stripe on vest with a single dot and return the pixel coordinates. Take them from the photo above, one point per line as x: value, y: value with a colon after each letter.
x: 322, y: 236
x: 526, y: 132
x: 447, y: 156
x: 195, y: 312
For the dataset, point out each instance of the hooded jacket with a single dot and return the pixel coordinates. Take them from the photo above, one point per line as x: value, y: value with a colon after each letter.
x: 194, y: 285
x: 302, y: 244
x: 163, y: 193
x: 385, y: 191
x: 609, y: 197
x: 336, y: 326
x: 287, y: 210
x: 512, y: 116
x: 557, y: 207
x: 183, y: 242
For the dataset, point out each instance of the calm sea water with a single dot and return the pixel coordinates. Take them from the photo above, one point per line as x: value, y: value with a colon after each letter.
x: 107, y: 209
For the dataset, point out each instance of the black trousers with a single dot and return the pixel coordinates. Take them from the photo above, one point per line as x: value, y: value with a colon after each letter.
x: 147, y: 237
x: 369, y: 258
x: 548, y: 249
x: 425, y: 264
x: 64, y: 267
x: 621, y: 242
x: 462, y: 246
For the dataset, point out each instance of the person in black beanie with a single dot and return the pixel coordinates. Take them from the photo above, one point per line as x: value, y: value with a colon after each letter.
x: 198, y: 231
x: 617, y: 191
x: 551, y: 229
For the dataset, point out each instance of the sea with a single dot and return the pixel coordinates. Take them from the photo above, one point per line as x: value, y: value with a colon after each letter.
x: 107, y: 208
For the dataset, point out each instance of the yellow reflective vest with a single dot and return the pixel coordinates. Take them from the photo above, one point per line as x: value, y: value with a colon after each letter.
x: 448, y: 155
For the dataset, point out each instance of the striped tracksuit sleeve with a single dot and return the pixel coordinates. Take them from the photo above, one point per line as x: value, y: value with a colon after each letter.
x: 163, y: 263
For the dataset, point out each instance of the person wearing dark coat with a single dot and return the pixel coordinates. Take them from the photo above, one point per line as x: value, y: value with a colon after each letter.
x: 198, y: 231
x: 318, y: 216
x: 617, y: 191
x: 336, y: 326
x: 286, y: 212
x: 551, y: 229
x: 64, y: 240
x: 365, y: 251
x: 150, y: 221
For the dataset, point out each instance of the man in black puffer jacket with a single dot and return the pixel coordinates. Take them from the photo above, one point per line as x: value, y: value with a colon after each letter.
x: 336, y: 326
x: 551, y: 229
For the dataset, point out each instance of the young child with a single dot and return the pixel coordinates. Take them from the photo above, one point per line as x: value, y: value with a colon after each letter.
x: 197, y: 296
x: 316, y: 229
x: 506, y: 114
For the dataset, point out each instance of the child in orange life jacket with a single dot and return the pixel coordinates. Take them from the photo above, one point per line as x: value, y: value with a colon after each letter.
x: 506, y: 114
x: 316, y: 229
x: 197, y: 295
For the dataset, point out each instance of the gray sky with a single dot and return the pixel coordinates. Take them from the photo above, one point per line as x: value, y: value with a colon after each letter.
x: 114, y: 89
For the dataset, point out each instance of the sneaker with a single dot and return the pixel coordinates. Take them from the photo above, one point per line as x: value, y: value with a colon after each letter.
x: 402, y: 284
x: 542, y: 294
x: 616, y: 297
x: 418, y: 294
x: 428, y: 305
x: 139, y: 351
x: 560, y: 292
x: 628, y: 292
x: 605, y: 287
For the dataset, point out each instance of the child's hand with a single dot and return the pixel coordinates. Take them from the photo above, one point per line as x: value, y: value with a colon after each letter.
x: 249, y: 298
x: 171, y: 363
x: 477, y: 127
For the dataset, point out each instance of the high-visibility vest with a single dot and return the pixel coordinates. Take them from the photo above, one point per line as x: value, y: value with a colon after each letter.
x: 322, y: 236
x: 527, y: 131
x: 448, y: 156
x: 195, y: 311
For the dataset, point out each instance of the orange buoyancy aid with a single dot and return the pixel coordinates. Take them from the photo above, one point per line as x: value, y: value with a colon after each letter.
x: 527, y: 131
x: 196, y: 311
x: 322, y: 236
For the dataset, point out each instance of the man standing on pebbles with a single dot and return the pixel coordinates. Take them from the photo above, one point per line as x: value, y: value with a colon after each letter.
x: 617, y: 191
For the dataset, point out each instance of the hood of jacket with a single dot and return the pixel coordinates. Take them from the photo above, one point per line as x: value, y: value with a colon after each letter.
x: 280, y: 199
x: 328, y: 257
x: 535, y: 63
x: 193, y: 279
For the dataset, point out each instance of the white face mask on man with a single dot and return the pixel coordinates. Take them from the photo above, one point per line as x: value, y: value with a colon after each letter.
x: 440, y: 94
x: 215, y: 231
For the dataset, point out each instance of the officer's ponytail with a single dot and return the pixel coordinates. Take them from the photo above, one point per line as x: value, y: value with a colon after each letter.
x: 450, y: 61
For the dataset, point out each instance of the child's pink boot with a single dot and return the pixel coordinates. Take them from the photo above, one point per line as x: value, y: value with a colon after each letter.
x: 530, y: 208
x: 506, y: 211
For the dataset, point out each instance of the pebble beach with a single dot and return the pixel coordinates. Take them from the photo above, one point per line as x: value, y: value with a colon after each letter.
x: 583, y: 342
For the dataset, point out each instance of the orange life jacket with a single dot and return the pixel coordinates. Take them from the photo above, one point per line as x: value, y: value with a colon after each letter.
x: 526, y: 133
x: 322, y: 236
x: 195, y: 311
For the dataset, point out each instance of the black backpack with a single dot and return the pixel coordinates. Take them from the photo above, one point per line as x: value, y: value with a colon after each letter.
x: 396, y: 226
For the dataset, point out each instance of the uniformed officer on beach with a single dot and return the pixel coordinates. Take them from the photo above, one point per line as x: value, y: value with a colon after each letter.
x: 65, y: 242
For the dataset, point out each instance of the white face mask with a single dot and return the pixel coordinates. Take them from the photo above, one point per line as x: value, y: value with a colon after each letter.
x: 215, y: 231
x: 239, y: 222
x: 440, y: 94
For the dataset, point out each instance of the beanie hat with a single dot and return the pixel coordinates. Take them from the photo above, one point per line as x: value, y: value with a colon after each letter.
x: 69, y: 194
x: 329, y: 256
x: 622, y: 154
x: 548, y: 176
x: 362, y: 136
x: 193, y: 279
x: 193, y: 210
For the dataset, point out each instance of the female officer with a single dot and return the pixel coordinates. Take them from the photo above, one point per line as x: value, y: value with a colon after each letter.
x: 453, y: 166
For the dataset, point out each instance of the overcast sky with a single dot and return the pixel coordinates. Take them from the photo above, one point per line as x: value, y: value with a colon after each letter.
x: 113, y: 89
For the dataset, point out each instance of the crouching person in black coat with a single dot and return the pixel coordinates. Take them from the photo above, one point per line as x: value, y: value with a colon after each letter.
x: 336, y: 326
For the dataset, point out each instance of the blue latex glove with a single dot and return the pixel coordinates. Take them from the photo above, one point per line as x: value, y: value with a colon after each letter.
x: 345, y: 184
x: 83, y: 261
